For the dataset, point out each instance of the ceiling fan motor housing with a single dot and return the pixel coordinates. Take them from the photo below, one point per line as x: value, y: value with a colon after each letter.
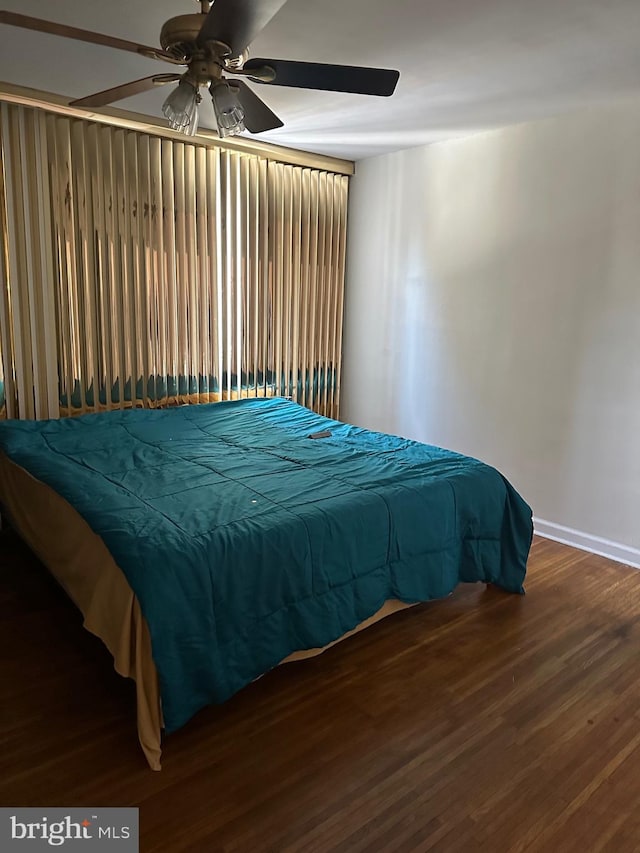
x: 179, y: 36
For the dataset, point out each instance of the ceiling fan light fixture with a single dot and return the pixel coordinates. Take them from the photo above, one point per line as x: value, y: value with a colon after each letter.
x: 228, y: 109
x: 181, y: 108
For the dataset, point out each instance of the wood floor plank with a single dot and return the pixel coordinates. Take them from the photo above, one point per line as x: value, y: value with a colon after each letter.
x: 485, y: 722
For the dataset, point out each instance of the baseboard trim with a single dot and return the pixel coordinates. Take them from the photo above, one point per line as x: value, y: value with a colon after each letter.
x: 587, y: 542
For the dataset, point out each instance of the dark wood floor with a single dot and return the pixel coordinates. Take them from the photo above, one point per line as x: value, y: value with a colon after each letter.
x: 484, y: 722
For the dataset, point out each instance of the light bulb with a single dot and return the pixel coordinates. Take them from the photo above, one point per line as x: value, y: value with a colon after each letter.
x: 228, y: 110
x: 181, y: 108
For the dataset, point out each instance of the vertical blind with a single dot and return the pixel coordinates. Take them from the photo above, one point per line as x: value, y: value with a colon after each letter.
x: 139, y: 271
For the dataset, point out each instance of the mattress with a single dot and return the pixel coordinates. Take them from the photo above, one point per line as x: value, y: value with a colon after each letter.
x: 244, y: 539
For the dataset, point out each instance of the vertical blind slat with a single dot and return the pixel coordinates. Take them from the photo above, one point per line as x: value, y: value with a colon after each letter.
x: 344, y: 190
x: 29, y: 308
x: 296, y: 268
x: 9, y: 396
x: 14, y: 373
x: 314, y: 225
x: 265, y: 273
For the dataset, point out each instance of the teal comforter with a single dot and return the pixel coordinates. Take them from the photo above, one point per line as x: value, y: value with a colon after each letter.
x: 245, y: 540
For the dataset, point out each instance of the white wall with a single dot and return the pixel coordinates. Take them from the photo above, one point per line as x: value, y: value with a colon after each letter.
x: 493, y: 307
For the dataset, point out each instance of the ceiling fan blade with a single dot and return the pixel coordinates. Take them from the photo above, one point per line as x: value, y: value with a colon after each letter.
x: 236, y: 23
x: 51, y: 28
x: 101, y: 99
x: 257, y: 115
x: 331, y: 78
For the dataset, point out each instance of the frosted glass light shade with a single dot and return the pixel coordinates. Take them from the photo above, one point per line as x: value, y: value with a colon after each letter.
x: 228, y: 110
x: 181, y: 108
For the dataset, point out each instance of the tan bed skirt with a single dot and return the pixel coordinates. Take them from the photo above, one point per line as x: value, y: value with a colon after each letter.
x: 81, y: 563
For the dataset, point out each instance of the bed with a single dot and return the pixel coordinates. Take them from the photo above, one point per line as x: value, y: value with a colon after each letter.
x: 207, y: 544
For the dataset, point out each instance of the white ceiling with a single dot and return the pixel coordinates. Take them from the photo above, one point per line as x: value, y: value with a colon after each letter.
x: 465, y: 65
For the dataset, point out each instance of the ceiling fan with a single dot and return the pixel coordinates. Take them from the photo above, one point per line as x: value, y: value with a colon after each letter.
x: 212, y: 44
